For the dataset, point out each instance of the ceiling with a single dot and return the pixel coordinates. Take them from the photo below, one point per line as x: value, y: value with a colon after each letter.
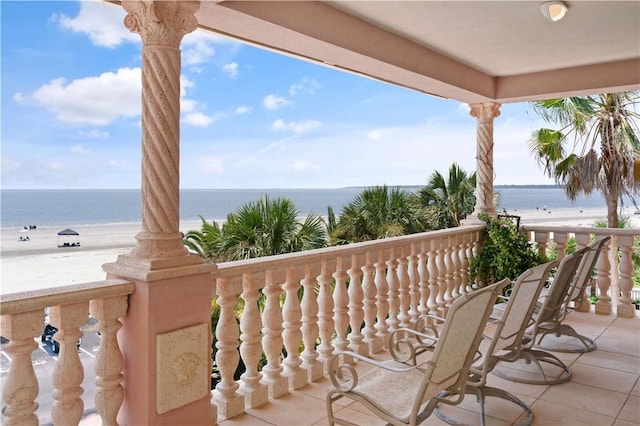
x: 472, y: 51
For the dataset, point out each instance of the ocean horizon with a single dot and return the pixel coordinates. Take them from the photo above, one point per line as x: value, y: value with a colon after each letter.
x: 77, y: 207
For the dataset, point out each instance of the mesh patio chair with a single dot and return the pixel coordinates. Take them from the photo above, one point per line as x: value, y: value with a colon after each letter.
x: 504, y: 341
x: 538, y: 367
x: 405, y: 391
x: 562, y: 336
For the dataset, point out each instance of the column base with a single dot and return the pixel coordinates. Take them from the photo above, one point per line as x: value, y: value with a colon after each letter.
x: 626, y: 310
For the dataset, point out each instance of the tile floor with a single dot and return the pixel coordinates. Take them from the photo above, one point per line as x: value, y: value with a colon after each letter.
x: 604, y: 390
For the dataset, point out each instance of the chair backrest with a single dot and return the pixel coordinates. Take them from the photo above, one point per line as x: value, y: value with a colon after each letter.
x: 556, y: 298
x: 583, y: 274
x: 458, y: 341
x: 519, y: 309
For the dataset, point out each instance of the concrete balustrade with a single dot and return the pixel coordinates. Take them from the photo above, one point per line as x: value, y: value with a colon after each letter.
x: 614, y: 266
x: 297, y: 310
x: 69, y: 307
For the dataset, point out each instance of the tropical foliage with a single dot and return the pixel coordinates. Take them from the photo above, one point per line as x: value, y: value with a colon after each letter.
x: 448, y: 201
x: 377, y: 212
x: 505, y: 253
x: 596, y: 148
x: 262, y: 228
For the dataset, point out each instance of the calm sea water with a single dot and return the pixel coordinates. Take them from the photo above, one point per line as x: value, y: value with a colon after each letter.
x: 54, y: 208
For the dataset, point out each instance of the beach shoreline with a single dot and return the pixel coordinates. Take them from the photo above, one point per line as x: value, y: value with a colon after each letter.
x: 40, y: 263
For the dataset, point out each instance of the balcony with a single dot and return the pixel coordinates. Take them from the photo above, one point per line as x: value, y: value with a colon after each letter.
x: 327, y: 300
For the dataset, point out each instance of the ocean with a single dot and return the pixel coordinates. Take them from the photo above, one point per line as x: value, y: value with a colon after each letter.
x: 63, y: 207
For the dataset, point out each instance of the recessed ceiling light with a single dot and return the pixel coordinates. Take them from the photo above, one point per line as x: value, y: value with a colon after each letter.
x: 554, y: 10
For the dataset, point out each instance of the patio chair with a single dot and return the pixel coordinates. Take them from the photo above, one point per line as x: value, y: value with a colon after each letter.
x: 405, y: 391
x: 505, y: 339
x: 574, y: 300
x: 547, y: 308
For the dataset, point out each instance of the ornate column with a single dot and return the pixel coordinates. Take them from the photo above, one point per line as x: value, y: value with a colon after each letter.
x: 484, y: 113
x: 166, y: 334
x: 161, y: 25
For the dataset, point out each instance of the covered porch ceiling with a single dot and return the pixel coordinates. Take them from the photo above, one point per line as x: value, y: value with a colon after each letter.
x: 471, y: 51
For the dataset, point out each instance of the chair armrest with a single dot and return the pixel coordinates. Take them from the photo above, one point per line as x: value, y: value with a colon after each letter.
x: 344, y: 377
x: 405, y: 344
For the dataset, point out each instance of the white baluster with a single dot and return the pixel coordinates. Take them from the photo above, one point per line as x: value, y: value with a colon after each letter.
x: 340, y: 307
x: 325, y: 314
x: 423, y: 273
x: 464, y: 263
x: 255, y: 393
x: 108, y: 367
x: 603, y: 306
x: 458, y: 287
x: 394, y: 298
x: 370, y: 309
x: 382, y: 302
x: 272, y: 342
x: 20, y: 388
x: 68, y: 373
x: 432, y: 266
x: 625, y: 308
x: 356, y: 312
x: 229, y: 401
x: 542, y: 238
x: 448, y: 276
x: 404, y: 291
x: 310, y: 327
x: 441, y: 279
x: 414, y: 293
x: 561, y: 239
x: 292, y: 334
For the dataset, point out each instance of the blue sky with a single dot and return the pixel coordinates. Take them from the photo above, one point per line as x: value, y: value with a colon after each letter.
x: 250, y: 118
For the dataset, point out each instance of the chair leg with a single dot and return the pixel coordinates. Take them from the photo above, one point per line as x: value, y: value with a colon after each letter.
x: 536, y: 358
x: 567, y: 330
x: 481, y: 394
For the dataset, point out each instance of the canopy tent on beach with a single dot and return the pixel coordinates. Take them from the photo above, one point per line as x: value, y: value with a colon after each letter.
x: 68, y: 238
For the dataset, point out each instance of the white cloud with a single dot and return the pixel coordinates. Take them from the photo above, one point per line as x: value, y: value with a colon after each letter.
x: 307, y: 85
x: 294, y: 126
x: 199, y: 119
x: 80, y: 149
x: 103, y: 23
x: 231, y: 69
x: 197, y: 48
x: 211, y: 165
x: 93, y: 100
x: 377, y: 134
x: 94, y: 134
x: 272, y: 102
x: 243, y: 109
x: 20, y: 99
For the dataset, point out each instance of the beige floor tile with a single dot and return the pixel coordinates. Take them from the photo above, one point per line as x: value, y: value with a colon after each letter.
x: 495, y: 407
x: 468, y: 417
x: 357, y: 417
x: 603, y: 378
x: 532, y: 391
x: 631, y: 410
x: 636, y: 389
x: 586, y: 398
x: 620, y: 422
x: 521, y: 371
x: 244, y: 420
x: 612, y: 360
x: 628, y: 346
x: 294, y: 409
x: 629, y: 323
x: 546, y: 413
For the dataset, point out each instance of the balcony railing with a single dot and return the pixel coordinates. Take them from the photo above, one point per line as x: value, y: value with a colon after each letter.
x: 298, y: 309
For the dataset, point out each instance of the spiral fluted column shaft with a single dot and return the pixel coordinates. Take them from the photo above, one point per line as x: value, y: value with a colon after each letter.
x: 161, y: 25
x: 484, y: 113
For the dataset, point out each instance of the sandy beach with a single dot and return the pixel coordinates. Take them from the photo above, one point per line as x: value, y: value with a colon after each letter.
x: 40, y: 263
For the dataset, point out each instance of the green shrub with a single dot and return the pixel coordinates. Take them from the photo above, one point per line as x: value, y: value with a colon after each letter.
x: 505, y: 252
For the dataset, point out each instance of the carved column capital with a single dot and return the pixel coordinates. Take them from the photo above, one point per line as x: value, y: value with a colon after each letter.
x: 161, y: 23
x: 485, y: 112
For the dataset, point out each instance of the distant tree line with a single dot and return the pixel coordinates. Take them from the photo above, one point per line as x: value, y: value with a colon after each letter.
x: 271, y: 226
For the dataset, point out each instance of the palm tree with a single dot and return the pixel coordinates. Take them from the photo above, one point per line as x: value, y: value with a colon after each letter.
x: 268, y: 227
x: 378, y: 212
x: 207, y: 242
x: 448, y: 201
x: 596, y: 147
